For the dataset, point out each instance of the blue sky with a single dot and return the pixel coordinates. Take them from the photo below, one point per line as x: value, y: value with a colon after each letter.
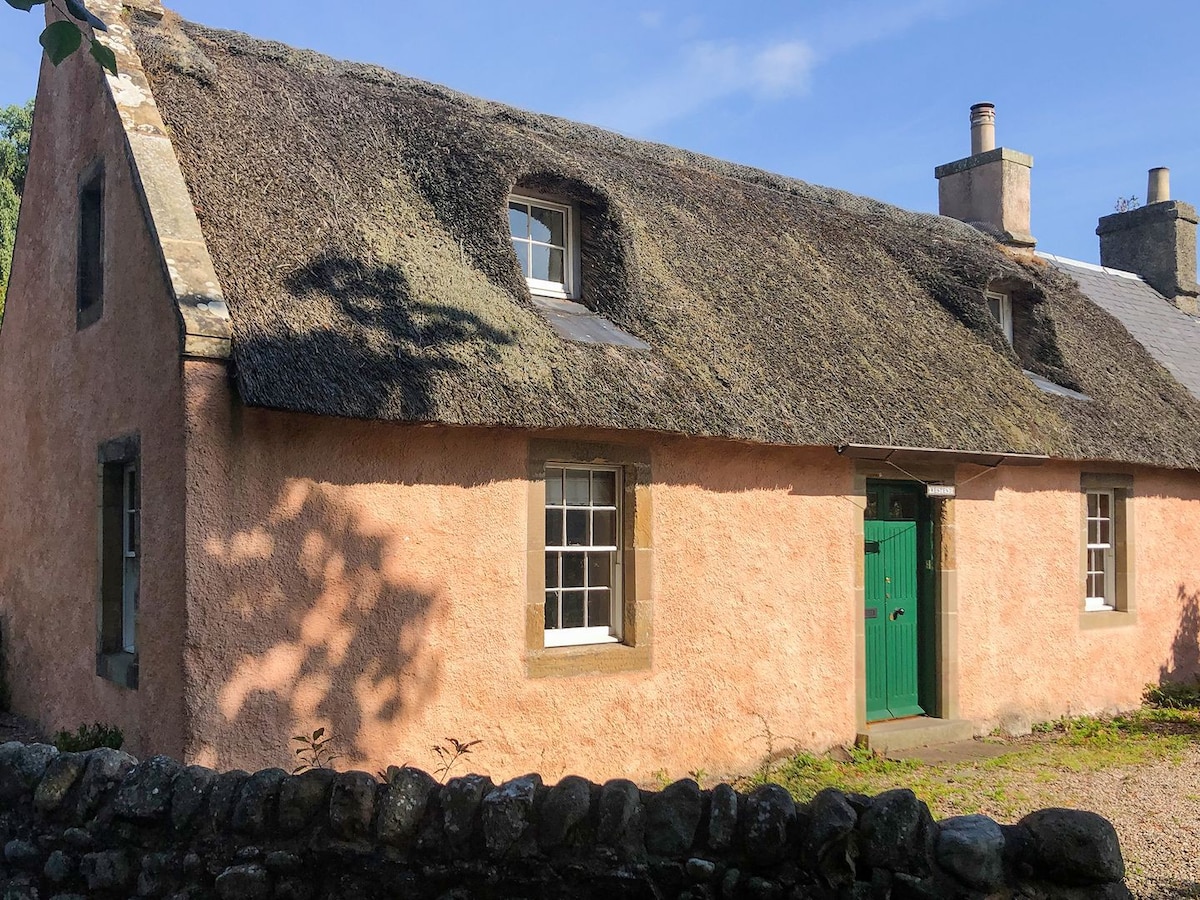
x: 864, y: 95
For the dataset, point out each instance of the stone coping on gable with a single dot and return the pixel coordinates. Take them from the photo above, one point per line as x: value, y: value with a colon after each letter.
x: 170, y: 214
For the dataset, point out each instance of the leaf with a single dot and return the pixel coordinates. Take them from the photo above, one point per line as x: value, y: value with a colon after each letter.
x: 318, y: 733
x: 25, y: 5
x: 104, y: 56
x: 60, y: 39
x: 80, y: 12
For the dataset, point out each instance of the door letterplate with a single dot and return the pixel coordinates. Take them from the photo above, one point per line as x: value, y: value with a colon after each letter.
x: 871, y: 614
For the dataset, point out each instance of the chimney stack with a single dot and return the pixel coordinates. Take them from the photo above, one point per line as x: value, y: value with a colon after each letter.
x: 989, y: 189
x: 1156, y: 241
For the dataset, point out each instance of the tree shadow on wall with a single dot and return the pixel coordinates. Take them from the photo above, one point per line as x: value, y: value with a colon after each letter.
x: 1184, y: 664
x: 319, y: 630
x: 355, y: 340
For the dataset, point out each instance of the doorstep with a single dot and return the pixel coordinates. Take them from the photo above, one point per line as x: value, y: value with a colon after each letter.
x: 918, y: 731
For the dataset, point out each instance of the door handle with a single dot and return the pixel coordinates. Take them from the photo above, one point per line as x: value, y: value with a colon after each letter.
x: 897, y: 614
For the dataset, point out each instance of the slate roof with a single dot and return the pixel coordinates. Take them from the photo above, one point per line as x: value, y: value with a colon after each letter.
x: 1171, y: 335
x: 357, y: 221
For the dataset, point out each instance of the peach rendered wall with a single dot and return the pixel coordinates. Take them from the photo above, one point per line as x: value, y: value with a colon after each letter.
x: 1025, y: 653
x: 62, y: 393
x: 371, y: 578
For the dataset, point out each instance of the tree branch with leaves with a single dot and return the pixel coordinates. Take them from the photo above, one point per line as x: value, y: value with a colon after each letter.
x: 63, y: 38
x: 16, y: 125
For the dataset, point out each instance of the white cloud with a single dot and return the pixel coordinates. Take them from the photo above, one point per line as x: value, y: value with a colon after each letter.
x: 703, y: 72
x: 782, y: 68
x: 877, y: 20
x: 651, y: 18
x: 708, y: 71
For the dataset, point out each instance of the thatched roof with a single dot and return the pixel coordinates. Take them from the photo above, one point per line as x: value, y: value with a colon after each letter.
x: 357, y: 222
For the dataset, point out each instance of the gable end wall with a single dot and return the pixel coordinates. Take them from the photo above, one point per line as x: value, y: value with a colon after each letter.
x: 64, y: 391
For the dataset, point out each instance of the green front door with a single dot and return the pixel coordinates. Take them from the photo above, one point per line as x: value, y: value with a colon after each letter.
x: 892, y: 601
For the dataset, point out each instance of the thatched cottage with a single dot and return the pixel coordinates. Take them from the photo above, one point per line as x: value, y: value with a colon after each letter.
x: 336, y: 398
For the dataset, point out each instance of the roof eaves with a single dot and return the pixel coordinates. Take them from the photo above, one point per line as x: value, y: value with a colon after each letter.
x: 917, y: 455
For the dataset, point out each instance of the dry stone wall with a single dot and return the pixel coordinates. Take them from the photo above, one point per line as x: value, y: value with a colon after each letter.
x: 101, y: 824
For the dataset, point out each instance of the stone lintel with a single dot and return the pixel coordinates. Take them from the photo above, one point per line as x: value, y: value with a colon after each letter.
x: 982, y: 159
x: 1165, y: 211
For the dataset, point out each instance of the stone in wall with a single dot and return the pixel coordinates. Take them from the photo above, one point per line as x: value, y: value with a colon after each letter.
x: 104, y: 826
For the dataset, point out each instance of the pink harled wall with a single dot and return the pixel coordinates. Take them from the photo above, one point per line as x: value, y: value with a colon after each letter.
x: 64, y: 392
x: 1026, y: 650
x: 371, y: 578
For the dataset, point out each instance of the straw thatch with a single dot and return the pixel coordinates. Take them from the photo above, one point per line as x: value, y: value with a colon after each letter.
x: 357, y: 222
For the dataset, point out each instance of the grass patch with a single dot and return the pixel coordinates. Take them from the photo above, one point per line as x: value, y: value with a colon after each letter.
x: 1024, y: 775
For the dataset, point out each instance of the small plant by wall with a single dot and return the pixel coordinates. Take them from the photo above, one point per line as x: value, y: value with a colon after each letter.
x: 90, y: 737
x: 1174, y: 694
x: 5, y: 685
x: 314, y: 752
x: 102, y: 825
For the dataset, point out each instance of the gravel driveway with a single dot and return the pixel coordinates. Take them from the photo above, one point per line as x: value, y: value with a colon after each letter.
x: 1156, y: 811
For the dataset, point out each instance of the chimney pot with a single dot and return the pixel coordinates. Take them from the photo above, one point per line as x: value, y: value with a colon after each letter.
x: 1159, y: 188
x: 983, y: 128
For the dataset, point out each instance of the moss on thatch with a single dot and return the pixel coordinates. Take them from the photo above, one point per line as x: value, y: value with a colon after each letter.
x: 356, y: 219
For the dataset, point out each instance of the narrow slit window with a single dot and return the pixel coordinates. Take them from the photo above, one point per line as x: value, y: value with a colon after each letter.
x: 120, y: 561
x: 89, y: 299
x: 583, y: 555
x: 1101, y: 556
x: 131, y: 549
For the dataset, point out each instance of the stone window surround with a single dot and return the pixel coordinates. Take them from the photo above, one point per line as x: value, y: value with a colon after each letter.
x: 115, y: 665
x: 1124, y: 554
x: 633, y: 652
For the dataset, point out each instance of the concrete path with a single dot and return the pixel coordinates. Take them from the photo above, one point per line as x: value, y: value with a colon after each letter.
x: 949, y: 754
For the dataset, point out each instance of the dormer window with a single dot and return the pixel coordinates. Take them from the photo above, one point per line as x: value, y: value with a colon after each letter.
x: 1000, y: 306
x: 544, y: 237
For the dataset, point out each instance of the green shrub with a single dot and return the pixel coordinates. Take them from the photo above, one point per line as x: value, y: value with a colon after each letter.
x: 1174, y: 695
x: 89, y: 737
x: 5, y: 687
